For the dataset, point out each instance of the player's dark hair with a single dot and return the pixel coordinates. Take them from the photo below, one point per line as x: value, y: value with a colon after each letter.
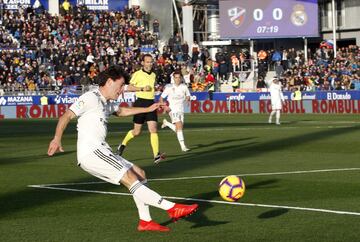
x: 177, y: 72
x: 113, y: 72
x: 146, y: 55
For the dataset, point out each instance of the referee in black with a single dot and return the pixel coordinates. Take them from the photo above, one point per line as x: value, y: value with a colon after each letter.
x: 143, y: 83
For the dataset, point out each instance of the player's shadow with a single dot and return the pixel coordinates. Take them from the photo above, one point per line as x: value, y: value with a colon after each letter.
x: 30, y: 158
x: 265, y: 184
x: 215, y: 125
x: 187, y: 160
x: 199, y: 219
x: 220, y: 142
x: 273, y: 213
x: 25, y: 128
x: 262, y: 184
x: 194, y: 151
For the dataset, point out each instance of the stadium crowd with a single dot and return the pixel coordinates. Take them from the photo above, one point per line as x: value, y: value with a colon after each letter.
x: 321, y: 72
x: 72, y: 48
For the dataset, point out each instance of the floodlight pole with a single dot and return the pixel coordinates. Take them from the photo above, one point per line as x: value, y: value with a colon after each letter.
x: 305, y: 49
x: 251, y: 47
x: 178, y: 19
x: 252, y: 60
x: 334, y: 26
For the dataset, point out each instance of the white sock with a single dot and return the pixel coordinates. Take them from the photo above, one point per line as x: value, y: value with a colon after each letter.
x: 277, y: 116
x: 170, y: 125
x: 143, y: 209
x: 150, y: 197
x: 180, y: 137
x: 271, y: 115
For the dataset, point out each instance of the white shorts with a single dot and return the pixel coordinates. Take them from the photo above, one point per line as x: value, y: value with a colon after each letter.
x: 105, y: 165
x: 276, y: 104
x: 176, y: 117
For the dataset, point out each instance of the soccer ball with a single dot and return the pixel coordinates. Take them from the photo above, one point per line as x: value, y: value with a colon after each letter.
x: 232, y: 188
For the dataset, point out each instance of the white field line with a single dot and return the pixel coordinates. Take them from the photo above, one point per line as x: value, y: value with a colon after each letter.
x: 329, y: 122
x: 273, y: 127
x: 216, y: 176
x: 207, y: 201
x: 231, y: 129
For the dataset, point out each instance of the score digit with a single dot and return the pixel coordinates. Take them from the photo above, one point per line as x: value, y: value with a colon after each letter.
x: 277, y: 14
x: 258, y: 14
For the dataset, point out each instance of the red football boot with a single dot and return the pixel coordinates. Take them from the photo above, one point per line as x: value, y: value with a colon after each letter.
x: 181, y: 210
x: 151, y: 226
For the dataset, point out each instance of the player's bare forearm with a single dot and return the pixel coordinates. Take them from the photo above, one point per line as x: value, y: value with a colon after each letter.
x: 136, y: 110
x: 55, y: 143
x: 132, y: 88
x: 63, y: 122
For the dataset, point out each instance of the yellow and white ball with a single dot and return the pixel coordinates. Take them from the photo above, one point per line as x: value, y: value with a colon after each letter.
x: 232, y: 188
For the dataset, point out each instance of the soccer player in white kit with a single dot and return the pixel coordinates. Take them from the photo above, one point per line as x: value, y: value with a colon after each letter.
x: 95, y: 156
x: 277, y: 100
x: 177, y: 94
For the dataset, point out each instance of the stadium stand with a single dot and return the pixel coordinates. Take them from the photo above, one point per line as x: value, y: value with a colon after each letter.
x: 40, y: 52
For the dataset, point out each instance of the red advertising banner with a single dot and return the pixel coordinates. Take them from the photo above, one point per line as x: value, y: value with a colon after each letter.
x: 208, y: 106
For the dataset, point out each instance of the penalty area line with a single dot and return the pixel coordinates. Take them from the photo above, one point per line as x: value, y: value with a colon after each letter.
x: 206, y: 201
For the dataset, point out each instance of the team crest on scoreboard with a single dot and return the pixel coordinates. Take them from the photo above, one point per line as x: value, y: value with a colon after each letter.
x: 299, y: 17
x: 237, y: 16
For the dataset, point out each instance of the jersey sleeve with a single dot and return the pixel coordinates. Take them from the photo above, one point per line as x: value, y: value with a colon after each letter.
x: 83, y: 104
x: 133, y: 79
x: 187, y: 92
x: 281, y: 95
x: 165, y: 92
x: 113, y: 107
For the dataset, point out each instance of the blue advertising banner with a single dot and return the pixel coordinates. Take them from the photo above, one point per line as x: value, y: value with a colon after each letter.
x: 258, y: 96
x: 107, y: 5
x: 15, y: 4
x: 195, y: 96
x: 17, y: 100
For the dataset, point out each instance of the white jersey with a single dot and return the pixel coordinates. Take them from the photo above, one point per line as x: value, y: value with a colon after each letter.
x: 277, y: 96
x: 176, y: 96
x: 92, y: 111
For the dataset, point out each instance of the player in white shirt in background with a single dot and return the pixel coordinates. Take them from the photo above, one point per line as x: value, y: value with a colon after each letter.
x: 277, y: 100
x: 177, y: 94
x: 95, y: 156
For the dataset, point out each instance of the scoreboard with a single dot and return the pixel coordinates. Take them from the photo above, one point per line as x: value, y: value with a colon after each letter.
x: 256, y: 19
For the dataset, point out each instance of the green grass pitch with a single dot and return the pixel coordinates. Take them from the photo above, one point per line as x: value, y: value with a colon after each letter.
x: 276, y: 206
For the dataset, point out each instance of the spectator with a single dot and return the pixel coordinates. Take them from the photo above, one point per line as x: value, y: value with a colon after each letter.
x: 66, y: 6
x: 260, y: 83
x: 156, y: 26
x: 146, y: 20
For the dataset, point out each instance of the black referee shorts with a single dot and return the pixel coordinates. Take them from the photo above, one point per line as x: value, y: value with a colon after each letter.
x: 144, y: 117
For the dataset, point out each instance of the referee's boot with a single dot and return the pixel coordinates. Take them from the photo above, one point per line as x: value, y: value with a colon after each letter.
x: 159, y: 157
x: 120, y: 149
